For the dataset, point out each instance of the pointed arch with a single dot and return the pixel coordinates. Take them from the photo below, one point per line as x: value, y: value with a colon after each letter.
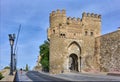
x: 74, y: 42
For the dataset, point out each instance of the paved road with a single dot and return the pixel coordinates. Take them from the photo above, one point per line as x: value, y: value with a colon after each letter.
x: 42, y: 76
x: 89, y: 77
x: 36, y: 76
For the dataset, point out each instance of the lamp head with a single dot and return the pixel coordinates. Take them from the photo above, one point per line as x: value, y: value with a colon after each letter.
x: 11, y: 39
x: 13, y: 36
x: 10, y: 36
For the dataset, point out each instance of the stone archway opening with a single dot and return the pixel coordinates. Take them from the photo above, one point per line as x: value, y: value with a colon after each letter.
x: 73, y: 63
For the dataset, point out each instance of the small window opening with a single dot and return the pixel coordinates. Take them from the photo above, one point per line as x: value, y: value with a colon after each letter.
x: 54, y: 31
x: 60, y: 24
x: 91, y: 33
x: 62, y: 35
x: 68, y: 23
x: 86, y: 33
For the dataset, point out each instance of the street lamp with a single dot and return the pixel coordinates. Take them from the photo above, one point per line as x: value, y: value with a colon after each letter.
x: 11, y: 39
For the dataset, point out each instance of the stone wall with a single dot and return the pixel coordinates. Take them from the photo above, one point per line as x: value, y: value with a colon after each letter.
x: 108, y: 51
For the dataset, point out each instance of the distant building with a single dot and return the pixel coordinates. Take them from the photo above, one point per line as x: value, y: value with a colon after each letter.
x: 76, y: 44
x: 38, y: 66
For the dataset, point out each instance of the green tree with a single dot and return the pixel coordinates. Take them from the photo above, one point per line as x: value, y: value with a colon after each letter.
x: 26, y: 67
x: 44, y: 52
x: 1, y: 76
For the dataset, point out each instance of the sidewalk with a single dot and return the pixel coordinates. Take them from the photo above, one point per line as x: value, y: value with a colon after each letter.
x: 23, y: 76
x: 84, y: 77
x: 88, y: 77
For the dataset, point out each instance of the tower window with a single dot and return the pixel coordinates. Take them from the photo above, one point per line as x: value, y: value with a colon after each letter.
x: 60, y: 24
x: 86, y: 33
x: 91, y: 33
x: 54, y: 31
x: 62, y: 35
x: 68, y: 23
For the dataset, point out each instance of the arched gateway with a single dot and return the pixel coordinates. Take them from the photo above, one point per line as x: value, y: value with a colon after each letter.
x: 73, y: 62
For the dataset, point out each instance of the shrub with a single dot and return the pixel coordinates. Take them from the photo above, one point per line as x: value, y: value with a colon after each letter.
x: 1, y: 76
x: 7, y: 67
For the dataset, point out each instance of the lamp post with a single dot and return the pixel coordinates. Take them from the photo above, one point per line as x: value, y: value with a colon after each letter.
x: 11, y: 39
x: 14, y: 62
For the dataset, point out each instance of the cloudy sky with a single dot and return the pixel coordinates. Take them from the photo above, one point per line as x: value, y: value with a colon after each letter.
x: 33, y: 15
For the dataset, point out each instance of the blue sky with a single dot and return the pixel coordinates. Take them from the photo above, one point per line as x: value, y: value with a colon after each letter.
x: 33, y: 15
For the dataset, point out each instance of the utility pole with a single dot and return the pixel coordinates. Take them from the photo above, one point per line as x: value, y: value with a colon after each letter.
x: 15, y: 58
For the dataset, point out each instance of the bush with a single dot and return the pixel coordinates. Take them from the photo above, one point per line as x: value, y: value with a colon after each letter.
x: 7, y: 67
x: 1, y: 76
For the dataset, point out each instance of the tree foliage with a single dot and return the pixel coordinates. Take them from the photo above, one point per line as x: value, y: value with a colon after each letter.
x: 44, y: 52
x: 26, y: 67
x: 1, y: 76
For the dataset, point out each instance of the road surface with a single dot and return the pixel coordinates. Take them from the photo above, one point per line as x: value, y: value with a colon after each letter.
x: 36, y: 76
x: 41, y: 76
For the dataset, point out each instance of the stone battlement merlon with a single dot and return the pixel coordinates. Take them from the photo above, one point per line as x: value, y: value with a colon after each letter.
x: 73, y: 19
x: 58, y: 12
x: 91, y: 15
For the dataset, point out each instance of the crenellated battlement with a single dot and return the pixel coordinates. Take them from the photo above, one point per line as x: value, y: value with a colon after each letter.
x: 58, y: 12
x: 73, y: 20
x: 91, y: 15
x: 59, y: 17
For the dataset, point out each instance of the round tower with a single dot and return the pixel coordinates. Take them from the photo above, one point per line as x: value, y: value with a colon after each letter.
x: 57, y: 18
